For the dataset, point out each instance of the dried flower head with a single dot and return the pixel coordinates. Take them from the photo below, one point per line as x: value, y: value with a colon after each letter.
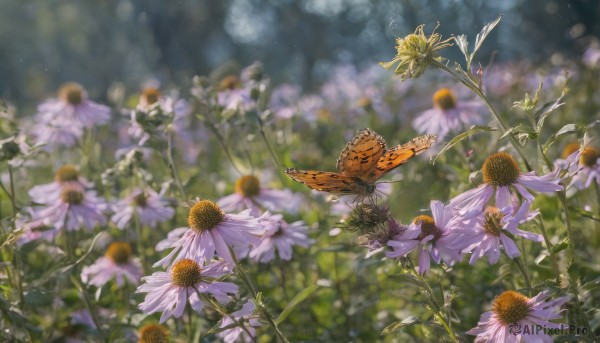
x: 415, y: 52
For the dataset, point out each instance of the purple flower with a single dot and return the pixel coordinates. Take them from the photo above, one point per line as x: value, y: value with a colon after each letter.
x: 284, y: 101
x: 149, y: 207
x: 448, y: 114
x: 246, y: 317
x: 430, y: 236
x: 250, y: 195
x: 483, y: 235
x: 73, y: 107
x: 514, y: 317
x: 281, y: 237
x: 169, y: 292
x: 500, y: 173
x: 583, y: 163
x: 65, y: 175
x: 53, y: 134
x: 73, y: 209
x: 210, y: 230
x: 117, y: 264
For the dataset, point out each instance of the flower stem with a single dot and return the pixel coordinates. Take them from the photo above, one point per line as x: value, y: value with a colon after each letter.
x: 88, y: 305
x: 437, y: 314
x: 477, y: 90
x: 221, y: 141
x: 523, y: 270
x: 173, y: 167
x: 215, y: 304
x: 553, y: 259
x: 255, y: 295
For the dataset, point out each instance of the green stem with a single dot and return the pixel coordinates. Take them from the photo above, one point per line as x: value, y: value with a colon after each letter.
x: 88, y: 305
x: 553, y: 259
x: 173, y: 167
x: 438, y: 314
x: 475, y: 88
x: 259, y: 305
x: 217, y: 306
x: 221, y: 141
x: 523, y: 270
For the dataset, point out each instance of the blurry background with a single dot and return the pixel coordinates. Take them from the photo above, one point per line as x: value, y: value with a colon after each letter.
x: 47, y: 42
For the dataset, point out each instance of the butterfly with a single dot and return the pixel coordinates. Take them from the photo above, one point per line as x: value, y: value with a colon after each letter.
x: 362, y: 162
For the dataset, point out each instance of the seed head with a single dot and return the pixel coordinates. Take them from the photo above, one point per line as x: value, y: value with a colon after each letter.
x: 511, y: 307
x: 500, y: 169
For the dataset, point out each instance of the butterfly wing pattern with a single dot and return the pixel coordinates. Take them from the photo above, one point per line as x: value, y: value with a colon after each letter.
x: 363, y: 161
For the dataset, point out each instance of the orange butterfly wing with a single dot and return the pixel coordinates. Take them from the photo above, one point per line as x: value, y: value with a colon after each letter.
x: 399, y: 155
x: 335, y: 183
x: 361, y: 154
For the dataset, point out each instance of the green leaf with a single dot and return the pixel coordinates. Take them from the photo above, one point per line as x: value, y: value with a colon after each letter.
x: 569, y: 128
x: 475, y: 129
x: 400, y: 324
x: 463, y: 45
x: 484, y: 33
x: 548, y: 108
x: 300, y: 297
x: 407, y: 278
x: 584, y: 213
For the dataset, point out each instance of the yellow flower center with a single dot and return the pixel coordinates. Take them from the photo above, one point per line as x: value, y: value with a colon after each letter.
x: 153, y: 333
x: 72, y: 195
x: 569, y: 149
x: 500, y: 169
x: 444, y: 99
x: 364, y: 102
x: 427, y: 227
x: 140, y: 200
x: 493, y: 221
x: 248, y: 186
x: 72, y: 93
x: 149, y: 96
x: 589, y: 156
x: 66, y: 173
x: 511, y: 307
x: 229, y: 82
x: 119, y: 252
x: 205, y: 215
x: 185, y: 273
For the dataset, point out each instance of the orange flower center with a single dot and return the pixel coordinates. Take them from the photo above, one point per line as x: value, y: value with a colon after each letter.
x: 153, y: 333
x: 119, y: 252
x: 444, y: 99
x: 500, y: 169
x: 66, y: 173
x: 72, y: 195
x: 229, y: 82
x: 248, y: 186
x: 72, y: 93
x: 493, y: 221
x: 511, y: 307
x: 569, y: 149
x: 427, y: 227
x: 205, y: 215
x: 589, y: 156
x: 185, y: 273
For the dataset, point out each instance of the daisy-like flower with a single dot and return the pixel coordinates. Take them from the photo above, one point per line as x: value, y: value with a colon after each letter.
x: 74, y: 107
x: 246, y: 317
x: 430, y: 235
x: 514, y: 316
x: 210, y: 230
x: 65, y: 175
x: 281, y: 237
x: 117, y: 264
x: 448, y: 114
x: 169, y: 292
x: 501, y: 172
x: 149, y: 207
x: 53, y: 134
x: 232, y: 96
x: 250, y: 195
x: 73, y: 209
x: 153, y: 333
x: 484, y: 234
x: 586, y: 164
x: 283, y: 101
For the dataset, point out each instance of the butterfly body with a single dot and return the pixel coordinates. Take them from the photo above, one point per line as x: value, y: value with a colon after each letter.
x: 362, y: 162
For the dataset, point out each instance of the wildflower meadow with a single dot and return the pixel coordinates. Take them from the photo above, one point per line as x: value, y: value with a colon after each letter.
x: 431, y: 197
